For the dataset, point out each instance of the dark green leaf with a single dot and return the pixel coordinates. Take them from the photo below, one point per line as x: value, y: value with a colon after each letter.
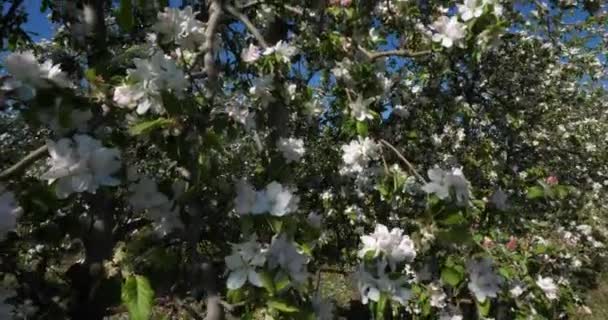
x: 148, y: 126
x: 125, y: 17
x: 282, y: 306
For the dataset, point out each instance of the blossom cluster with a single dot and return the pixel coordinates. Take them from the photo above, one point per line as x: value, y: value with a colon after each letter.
x: 384, y: 248
x: 29, y: 75
x: 274, y: 199
x: 149, y: 78
x: 163, y: 211
x: 81, y: 164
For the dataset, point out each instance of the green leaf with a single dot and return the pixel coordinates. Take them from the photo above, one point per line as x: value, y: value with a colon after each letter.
x: 454, y: 218
x: 44, y: 5
x: 267, y: 282
x: 282, y: 282
x: 148, y: 126
x: 484, y: 307
x: 282, y: 306
x: 125, y: 15
x: 170, y: 102
x: 362, y: 128
x: 137, y: 296
x: 381, y: 307
x: 90, y: 74
x: 535, y: 192
x: 452, y: 275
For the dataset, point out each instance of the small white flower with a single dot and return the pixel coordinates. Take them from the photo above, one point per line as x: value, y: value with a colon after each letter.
x: 443, y: 182
x: 516, y: 291
x: 246, y: 257
x: 164, y: 212
x: 284, y: 254
x: 251, y: 54
x: 449, y: 31
x: 181, y: 27
x: 372, y: 286
x: 314, y: 219
x: 483, y: 282
x: 548, y: 286
x: 275, y: 199
x: 9, y: 212
x: 291, y: 148
x: 261, y: 89
x: 499, y: 200
x: 470, y: 9
x: 281, y: 201
x: 438, y: 296
x: 394, y: 245
x: 283, y: 50
x: 360, y: 108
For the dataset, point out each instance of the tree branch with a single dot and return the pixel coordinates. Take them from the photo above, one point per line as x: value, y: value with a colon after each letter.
x: 24, y: 163
x: 215, y: 12
x: 243, y: 18
x: 407, y: 163
x: 400, y: 53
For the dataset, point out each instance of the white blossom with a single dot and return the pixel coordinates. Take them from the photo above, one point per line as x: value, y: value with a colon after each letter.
x: 394, y: 245
x: 372, y: 286
x: 283, y: 50
x: 438, y: 296
x: 358, y: 153
x: 314, y: 219
x: 470, y: 9
x: 163, y: 211
x: 9, y: 212
x: 81, y: 164
x: 29, y: 74
x: 274, y: 199
x: 291, y: 148
x: 284, y: 254
x: 516, y: 291
x: 548, y: 286
x: 261, y: 89
x: 243, y: 263
x: 241, y: 114
x: 151, y: 77
x: 483, y: 281
x: 448, y: 31
x: 443, y: 182
x: 359, y: 109
x: 251, y: 54
x: 181, y: 27
x: 499, y: 200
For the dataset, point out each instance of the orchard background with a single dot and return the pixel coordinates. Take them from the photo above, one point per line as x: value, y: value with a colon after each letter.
x: 318, y: 159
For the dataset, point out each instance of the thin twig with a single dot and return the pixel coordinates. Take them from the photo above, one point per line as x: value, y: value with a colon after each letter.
x: 401, y: 53
x: 407, y: 163
x: 24, y: 163
x: 252, y: 28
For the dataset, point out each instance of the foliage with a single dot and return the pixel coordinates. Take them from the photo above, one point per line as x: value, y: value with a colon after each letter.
x: 449, y: 157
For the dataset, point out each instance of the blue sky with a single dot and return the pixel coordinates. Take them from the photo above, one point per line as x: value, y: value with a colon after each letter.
x: 39, y: 26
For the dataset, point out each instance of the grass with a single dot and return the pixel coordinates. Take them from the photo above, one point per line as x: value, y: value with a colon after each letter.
x: 597, y: 300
